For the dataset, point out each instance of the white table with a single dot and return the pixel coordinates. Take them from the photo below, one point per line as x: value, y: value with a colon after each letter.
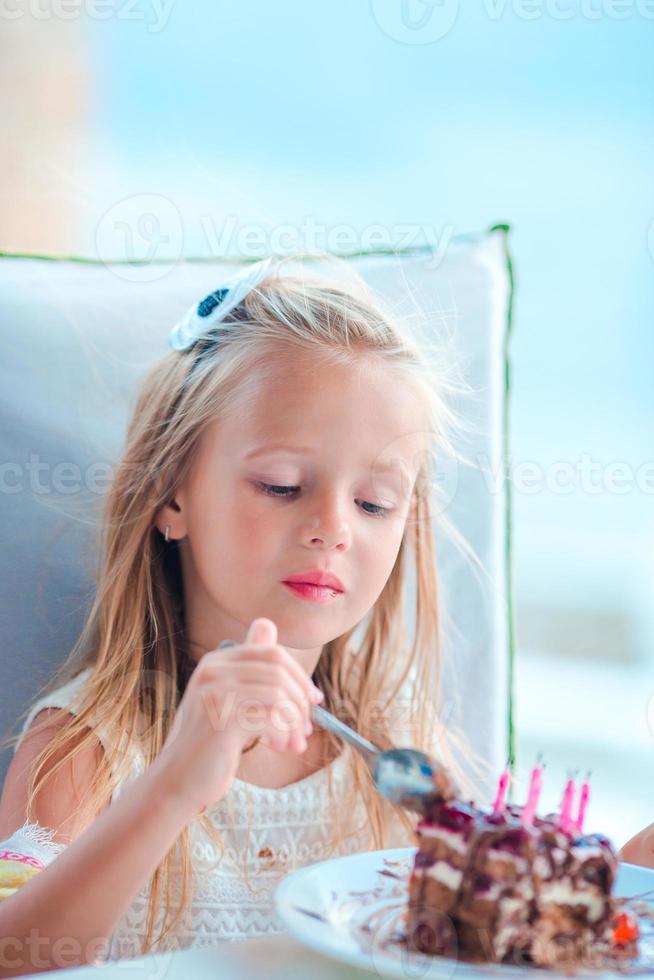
x: 282, y: 957
x: 278, y: 957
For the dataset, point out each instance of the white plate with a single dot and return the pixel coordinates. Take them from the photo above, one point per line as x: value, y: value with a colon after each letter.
x: 350, y: 908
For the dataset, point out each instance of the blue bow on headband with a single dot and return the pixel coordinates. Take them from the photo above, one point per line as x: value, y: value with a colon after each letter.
x: 203, y: 316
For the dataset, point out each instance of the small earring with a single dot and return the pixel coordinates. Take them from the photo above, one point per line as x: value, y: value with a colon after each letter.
x: 166, y: 535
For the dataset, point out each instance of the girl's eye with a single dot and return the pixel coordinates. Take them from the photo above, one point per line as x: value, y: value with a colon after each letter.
x: 276, y: 491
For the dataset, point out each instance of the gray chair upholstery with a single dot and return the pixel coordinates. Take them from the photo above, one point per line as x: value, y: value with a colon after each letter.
x: 75, y: 340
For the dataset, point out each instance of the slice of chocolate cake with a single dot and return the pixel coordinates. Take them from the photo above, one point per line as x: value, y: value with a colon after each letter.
x: 573, y: 877
x: 444, y: 836
x: 488, y: 887
x: 496, y: 899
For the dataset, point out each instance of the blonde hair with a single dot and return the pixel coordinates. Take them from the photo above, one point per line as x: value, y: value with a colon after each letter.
x: 134, y: 637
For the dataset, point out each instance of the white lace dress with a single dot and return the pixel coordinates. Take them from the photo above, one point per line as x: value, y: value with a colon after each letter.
x: 289, y: 827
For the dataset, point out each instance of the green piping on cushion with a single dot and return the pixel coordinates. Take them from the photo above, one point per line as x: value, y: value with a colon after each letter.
x: 505, y: 228
x: 239, y: 260
x: 409, y: 250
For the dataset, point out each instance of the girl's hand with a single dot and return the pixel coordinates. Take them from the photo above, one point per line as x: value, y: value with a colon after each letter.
x: 214, y: 721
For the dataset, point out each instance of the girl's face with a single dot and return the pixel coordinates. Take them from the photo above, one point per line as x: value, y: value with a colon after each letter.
x: 313, y: 468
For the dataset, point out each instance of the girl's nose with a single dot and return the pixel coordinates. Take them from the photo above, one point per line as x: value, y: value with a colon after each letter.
x: 328, y: 528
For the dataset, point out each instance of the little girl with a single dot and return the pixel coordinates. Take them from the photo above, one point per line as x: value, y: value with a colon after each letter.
x: 271, y: 493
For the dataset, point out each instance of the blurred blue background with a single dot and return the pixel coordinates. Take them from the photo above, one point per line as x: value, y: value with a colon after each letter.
x: 443, y: 119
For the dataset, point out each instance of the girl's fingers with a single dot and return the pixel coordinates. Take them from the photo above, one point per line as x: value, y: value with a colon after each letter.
x: 259, y: 712
x: 267, y: 675
x: 296, y: 744
x: 289, y: 661
x: 300, y: 674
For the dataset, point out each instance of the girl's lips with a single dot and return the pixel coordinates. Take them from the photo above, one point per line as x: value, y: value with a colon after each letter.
x: 317, y: 576
x: 313, y: 593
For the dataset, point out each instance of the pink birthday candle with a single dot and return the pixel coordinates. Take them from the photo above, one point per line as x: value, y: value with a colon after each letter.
x: 565, y: 821
x: 502, y: 786
x: 583, y: 803
x: 535, y: 787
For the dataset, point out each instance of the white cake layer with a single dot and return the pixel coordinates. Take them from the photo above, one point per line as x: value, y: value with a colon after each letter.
x: 442, y: 872
x: 563, y: 893
x: 513, y: 910
x: 542, y: 867
x: 517, y: 860
x: 453, y: 838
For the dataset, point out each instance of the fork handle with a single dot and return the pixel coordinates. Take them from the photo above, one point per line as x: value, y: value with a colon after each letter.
x: 332, y: 724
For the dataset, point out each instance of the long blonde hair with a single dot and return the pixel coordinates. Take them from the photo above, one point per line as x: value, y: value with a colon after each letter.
x: 134, y: 639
